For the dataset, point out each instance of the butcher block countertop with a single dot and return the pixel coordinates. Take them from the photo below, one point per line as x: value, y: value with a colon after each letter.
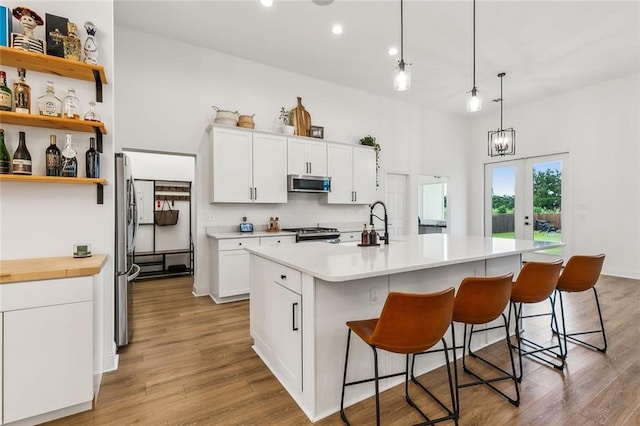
x: 47, y: 268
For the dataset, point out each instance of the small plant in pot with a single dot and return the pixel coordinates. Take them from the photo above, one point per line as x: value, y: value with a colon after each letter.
x: 285, y: 118
x: 371, y: 141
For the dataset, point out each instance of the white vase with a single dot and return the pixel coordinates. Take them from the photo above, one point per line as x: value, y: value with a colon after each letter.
x: 288, y: 130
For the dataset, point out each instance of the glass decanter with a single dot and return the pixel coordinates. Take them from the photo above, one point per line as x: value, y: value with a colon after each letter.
x: 92, y: 115
x: 70, y: 105
x: 49, y: 104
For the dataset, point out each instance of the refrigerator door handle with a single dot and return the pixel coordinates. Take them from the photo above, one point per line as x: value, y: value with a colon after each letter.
x: 133, y: 275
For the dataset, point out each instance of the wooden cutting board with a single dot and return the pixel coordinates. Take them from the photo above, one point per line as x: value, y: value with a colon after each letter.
x: 301, y: 119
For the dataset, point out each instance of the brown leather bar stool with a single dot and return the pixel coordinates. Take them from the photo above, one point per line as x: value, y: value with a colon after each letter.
x: 581, y: 273
x: 536, y: 282
x: 409, y: 323
x: 481, y: 300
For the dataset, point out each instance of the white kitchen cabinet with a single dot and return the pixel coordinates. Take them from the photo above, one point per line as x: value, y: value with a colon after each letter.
x: 350, y: 237
x: 230, y: 265
x: 305, y: 157
x: 353, y: 174
x: 247, y: 167
x: 276, y: 322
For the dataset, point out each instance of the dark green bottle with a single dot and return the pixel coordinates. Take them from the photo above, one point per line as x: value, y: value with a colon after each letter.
x: 5, y: 159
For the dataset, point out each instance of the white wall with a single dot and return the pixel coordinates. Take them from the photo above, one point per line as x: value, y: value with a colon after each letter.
x: 45, y: 220
x: 599, y: 126
x: 172, y: 105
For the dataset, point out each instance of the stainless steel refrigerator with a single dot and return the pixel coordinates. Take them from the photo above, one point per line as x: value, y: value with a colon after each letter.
x: 126, y: 229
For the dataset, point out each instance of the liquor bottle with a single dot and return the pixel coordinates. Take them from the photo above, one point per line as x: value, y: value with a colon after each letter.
x: 373, y: 236
x: 92, y: 160
x: 5, y: 159
x: 71, y: 43
x: 364, y: 239
x: 49, y: 104
x: 21, y: 164
x: 70, y: 105
x: 6, y: 100
x: 53, y: 159
x: 69, y: 162
x: 22, y: 93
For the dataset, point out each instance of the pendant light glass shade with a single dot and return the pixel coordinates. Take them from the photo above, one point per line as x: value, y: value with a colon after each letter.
x: 474, y: 103
x: 502, y: 141
x: 402, y: 79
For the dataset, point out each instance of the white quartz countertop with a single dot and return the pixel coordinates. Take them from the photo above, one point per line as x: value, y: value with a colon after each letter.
x: 222, y: 235
x: 345, y: 262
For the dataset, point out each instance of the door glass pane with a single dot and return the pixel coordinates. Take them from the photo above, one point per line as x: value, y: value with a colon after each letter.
x: 503, y: 189
x: 547, y: 202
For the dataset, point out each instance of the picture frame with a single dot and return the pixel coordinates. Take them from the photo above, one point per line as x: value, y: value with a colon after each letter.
x: 316, y: 132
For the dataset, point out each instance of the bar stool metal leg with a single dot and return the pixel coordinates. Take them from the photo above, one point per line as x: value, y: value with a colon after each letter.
x: 570, y: 336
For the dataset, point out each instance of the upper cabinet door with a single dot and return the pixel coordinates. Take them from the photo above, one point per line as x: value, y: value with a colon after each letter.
x: 232, y: 168
x: 306, y: 157
x: 364, y: 175
x: 269, y: 168
x: 340, y: 169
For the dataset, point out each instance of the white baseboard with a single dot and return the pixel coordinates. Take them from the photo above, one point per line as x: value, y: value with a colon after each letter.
x: 621, y: 273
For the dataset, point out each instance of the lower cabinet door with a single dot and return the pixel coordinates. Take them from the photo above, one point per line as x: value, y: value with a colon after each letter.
x: 47, y: 359
x: 233, y: 273
x: 287, y: 334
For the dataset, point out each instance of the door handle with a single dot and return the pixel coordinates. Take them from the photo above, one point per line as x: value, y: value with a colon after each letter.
x: 293, y: 316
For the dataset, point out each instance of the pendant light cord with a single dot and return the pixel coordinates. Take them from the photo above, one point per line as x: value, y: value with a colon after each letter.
x: 401, y: 34
x: 474, y: 44
x: 501, y: 100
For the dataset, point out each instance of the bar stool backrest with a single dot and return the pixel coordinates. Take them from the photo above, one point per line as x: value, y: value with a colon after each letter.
x: 411, y: 323
x: 536, y: 281
x: 482, y: 299
x: 581, y: 273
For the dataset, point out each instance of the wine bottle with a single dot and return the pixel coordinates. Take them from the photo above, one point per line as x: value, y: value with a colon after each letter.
x: 21, y: 158
x: 53, y: 159
x: 5, y: 159
x: 6, y: 99
x: 92, y: 160
x: 69, y: 161
x: 22, y: 93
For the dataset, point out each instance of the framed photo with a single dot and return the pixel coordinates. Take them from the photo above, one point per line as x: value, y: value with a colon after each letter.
x: 316, y: 132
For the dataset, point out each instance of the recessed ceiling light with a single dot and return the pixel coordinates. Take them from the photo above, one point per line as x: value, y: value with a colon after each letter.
x: 266, y: 3
x: 337, y: 29
x: 393, y: 51
x: 322, y: 2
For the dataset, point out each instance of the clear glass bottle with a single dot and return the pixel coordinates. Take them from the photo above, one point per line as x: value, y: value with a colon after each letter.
x: 49, y: 104
x: 22, y: 93
x: 69, y: 161
x: 53, y: 158
x: 71, y: 105
x: 21, y: 164
x: 373, y: 236
x: 92, y: 158
x: 5, y: 159
x: 364, y: 239
x: 92, y: 115
x: 6, y: 99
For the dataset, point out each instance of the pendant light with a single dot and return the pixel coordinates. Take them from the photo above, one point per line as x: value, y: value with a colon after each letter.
x: 502, y: 141
x: 402, y: 79
x: 474, y: 103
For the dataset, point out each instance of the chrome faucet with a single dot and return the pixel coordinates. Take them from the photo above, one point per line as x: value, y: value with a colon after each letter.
x: 386, y: 220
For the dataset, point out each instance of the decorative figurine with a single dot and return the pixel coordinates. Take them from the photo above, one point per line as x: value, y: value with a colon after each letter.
x: 90, y: 45
x: 71, y: 43
x: 29, y: 20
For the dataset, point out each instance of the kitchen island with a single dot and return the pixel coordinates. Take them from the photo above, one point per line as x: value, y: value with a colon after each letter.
x: 302, y: 295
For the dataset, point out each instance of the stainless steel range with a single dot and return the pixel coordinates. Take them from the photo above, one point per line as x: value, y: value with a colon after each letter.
x: 317, y: 233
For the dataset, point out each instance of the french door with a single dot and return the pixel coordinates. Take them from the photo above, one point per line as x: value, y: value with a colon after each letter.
x: 526, y: 199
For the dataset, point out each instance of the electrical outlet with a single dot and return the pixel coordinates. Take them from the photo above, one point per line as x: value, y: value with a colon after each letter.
x: 210, y: 217
x: 373, y: 295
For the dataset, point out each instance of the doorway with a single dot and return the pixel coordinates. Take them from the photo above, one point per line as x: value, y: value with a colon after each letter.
x: 524, y: 199
x: 433, y: 211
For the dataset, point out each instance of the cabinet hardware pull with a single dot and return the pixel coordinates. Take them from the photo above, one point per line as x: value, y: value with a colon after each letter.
x: 255, y: 193
x: 283, y: 277
x: 309, y: 167
x: 293, y: 316
x: 355, y: 196
x: 278, y: 241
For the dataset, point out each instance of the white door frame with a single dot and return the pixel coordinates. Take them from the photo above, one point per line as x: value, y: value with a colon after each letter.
x: 405, y: 204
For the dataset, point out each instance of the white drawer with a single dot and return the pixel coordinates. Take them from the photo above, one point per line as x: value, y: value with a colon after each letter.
x: 349, y: 237
x: 287, y: 277
x: 238, y: 243
x: 275, y: 241
x: 34, y: 294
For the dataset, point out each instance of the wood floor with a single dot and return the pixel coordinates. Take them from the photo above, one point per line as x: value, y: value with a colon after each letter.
x: 191, y: 363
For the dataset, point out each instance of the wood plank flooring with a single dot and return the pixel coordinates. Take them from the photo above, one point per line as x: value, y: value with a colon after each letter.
x: 190, y: 362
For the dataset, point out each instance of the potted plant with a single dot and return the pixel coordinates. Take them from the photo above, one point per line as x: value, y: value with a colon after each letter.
x: 285, y: 118
x: 371, y: 141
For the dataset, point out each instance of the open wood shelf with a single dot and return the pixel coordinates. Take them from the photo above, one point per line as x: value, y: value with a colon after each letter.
x: 34, y: 120
x: 53, y: 65
x: 99, y: 182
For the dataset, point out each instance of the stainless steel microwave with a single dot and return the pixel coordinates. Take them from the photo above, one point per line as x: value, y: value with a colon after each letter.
x: 305, y: 183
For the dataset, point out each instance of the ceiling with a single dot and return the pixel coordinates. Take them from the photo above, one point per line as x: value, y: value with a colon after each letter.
x: 545, y: 47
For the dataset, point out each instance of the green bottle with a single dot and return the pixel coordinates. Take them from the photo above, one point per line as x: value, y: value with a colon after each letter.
x: 5, y: 159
